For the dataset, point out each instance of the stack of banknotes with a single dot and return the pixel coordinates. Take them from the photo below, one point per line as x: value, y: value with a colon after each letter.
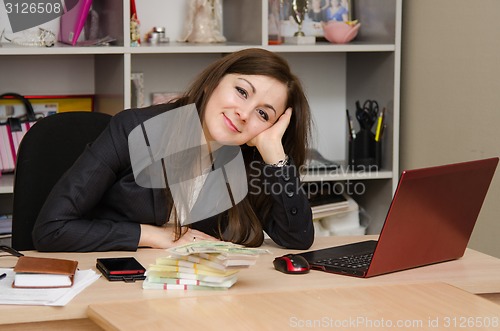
x: 202, y: 265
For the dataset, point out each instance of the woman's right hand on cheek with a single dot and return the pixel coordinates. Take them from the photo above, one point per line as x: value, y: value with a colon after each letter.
x: 268, y: 142
x: 163, y: 237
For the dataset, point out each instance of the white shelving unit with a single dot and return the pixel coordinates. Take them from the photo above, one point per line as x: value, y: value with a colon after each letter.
x: 334, y: 75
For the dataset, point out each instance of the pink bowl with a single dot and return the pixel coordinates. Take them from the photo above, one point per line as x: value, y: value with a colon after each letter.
x: 340, y: 32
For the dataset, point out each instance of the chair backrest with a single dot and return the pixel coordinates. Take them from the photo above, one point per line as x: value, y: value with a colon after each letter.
x: 46, y: 151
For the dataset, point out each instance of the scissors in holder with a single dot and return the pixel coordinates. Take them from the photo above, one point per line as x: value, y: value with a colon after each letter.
x: 367, y: 115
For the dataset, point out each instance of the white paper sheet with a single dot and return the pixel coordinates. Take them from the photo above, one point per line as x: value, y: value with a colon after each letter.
x: 44, y: 297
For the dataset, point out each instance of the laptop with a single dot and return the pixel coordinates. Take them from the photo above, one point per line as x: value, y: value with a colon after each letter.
x: 430, y: 220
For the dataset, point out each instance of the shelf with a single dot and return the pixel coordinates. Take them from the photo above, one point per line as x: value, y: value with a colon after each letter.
x: 174, y: 47
x: 231, y: 47
x: 343, y: 176
x: 58, y: 49
x: 327, y: 47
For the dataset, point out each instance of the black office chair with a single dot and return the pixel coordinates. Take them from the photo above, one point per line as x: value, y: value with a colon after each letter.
x: 46, y: 151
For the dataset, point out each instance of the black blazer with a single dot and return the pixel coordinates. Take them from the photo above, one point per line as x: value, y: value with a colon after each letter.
x: 97, y: 206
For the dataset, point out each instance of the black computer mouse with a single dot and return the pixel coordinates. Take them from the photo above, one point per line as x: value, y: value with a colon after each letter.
x: 291, y: 264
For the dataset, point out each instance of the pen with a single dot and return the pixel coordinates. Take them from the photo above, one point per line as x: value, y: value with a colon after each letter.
x: 352, y: 132
x: 2, y: 276
x: 379, y: 125
x: 383, y: 130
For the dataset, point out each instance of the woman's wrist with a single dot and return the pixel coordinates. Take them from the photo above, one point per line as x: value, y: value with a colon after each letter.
x: 272, y: 155
x: 155, y: 236
x: 281, y: 163
x: 145, y: 239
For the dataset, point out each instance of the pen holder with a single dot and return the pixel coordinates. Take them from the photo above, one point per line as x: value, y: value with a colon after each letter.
x: 364, y: 151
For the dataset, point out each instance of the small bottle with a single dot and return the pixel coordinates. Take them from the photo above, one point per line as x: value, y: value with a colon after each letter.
x: 162, y: 38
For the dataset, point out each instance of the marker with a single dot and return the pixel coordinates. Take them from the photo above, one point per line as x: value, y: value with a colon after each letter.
x: 2, y: 276
x: 379, y: 125
x: 352, y: 132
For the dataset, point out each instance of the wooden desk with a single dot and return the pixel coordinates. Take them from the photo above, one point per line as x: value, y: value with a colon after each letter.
x: 475, y: 273
x: 419, y: 306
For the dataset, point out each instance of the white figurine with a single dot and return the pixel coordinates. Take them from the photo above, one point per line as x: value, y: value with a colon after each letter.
x: 204, y: 22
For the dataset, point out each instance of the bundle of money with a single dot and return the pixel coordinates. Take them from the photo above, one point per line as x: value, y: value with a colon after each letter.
x: 208, y: 246
x: 202, y: 265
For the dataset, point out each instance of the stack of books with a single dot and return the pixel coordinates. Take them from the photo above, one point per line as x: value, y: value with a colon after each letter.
x: 344, y: 222
x: 326, y: 205
x: 203, y: 265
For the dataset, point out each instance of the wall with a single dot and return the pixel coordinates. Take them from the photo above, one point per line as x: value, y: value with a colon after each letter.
x: 450, y: 101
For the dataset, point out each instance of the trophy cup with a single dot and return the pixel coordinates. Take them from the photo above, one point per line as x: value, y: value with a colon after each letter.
x: 298, y: 11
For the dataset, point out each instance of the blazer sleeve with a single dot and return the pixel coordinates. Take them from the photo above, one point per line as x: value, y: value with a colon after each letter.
x: 66, y: 221
x: 289, y: 223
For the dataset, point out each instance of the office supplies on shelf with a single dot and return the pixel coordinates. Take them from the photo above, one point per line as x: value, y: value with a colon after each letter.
x: 367, y: 114
x: 5, y: 224
x: 430, y: 220
x: 73, y: 21
x: 45, y: 105
x: 19, y: 113
x: 315, y: 161
x: 364, y: 152
x: 323, y: 202
x: 364, y: 147
x: 13, y: 130
x: 380, y: 125
x: 350, y: 126
x: 342, y: 221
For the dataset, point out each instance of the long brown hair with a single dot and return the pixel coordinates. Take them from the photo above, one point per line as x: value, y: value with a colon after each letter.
x: 243, y: 226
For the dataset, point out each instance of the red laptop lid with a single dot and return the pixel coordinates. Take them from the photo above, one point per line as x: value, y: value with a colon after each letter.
x: 432, y: 215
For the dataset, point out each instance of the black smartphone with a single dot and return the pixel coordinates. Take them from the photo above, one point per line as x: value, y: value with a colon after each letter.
x: 126, y: 269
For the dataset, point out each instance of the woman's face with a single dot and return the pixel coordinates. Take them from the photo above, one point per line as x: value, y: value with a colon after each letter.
x: 242, y: 106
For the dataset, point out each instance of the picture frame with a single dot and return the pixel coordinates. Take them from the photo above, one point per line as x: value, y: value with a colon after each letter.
x: 330, y: 10
x: 318, y: 13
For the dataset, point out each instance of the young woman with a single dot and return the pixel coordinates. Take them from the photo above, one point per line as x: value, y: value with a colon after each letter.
x: 249, y: 99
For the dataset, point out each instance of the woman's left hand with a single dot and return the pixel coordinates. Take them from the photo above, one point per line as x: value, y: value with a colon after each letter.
x: 268, y: 142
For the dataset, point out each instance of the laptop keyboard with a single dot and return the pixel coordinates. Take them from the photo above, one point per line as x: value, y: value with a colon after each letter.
x: 351, y: 262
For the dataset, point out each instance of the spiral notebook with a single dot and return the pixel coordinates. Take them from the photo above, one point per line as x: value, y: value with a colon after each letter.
x: 430, y: 220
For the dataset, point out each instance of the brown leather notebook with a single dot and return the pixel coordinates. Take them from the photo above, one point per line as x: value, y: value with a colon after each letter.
x: 40, y: 272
